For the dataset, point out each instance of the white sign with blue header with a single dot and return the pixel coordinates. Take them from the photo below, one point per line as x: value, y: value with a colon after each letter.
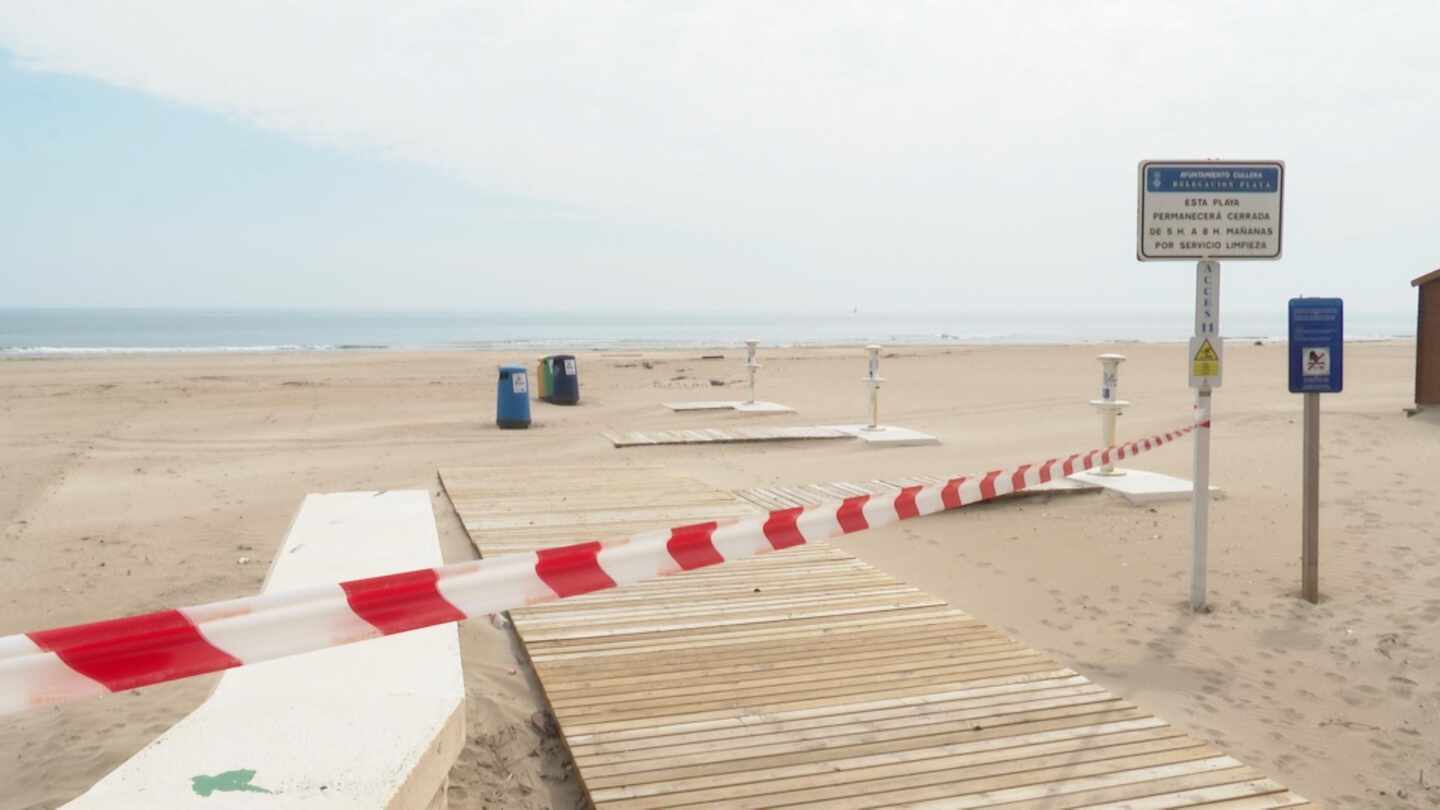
x: 1210, y: 209
x: 1317, y: 345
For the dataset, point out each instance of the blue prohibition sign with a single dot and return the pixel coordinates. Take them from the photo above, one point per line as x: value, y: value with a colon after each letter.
x: 1317, y: 345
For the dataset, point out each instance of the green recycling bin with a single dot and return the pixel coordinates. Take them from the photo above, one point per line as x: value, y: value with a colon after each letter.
x: 564, y: 380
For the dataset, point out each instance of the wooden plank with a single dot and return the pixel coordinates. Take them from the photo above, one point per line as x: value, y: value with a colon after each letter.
x: 825, y: 714
x: 806, y: 677
x: 637, y: 659
x: 827, y: 748
x: 844, y: 769
x: 1043, y: 789
x: 783, y: 693
x: 1135, y: 785
x: 907, y: 775
x: 592, y: 683
x: 752, y: 657
x: 715, y: 749
x: 993, y: 707
x: 616, y: 629
x: 834, y: 704
x: 1251, y: 795
x: 796, y: 627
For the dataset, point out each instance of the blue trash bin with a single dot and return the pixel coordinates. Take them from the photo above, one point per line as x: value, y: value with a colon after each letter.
x: 512, y: 398
x: 565, y: 380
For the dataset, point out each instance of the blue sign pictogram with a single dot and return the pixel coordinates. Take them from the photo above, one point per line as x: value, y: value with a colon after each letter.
x: 1317, y: 345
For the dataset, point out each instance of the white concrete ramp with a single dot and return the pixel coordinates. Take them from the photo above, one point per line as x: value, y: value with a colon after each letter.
x: 1142, y: 487
x: 882, y: 436
x: 376, y: 724
x: 887, y: 435
x: 652, y: 438
x: 730, y: 405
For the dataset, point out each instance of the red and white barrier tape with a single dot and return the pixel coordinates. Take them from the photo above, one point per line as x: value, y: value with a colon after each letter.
x: 67, y: 663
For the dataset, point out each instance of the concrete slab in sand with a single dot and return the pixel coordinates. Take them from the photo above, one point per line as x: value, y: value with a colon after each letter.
x: 1141, y: 487
x: 653, y: 438
x: 887, y: 435
x: 377, y: 724
x: 730, y: 405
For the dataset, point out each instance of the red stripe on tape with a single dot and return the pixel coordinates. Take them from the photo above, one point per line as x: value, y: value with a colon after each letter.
x: 950, y: 494
x: 395, y: 603
x: 136, y: 650
x: 780, y: 528
x: 851, y: 514
x: 1017, y: 481
x: 905, y: 503
x: 1046, y: 471
x: 1069, y: 466
x: 692, y: 547
x: 987, y: 485
x: 571, y: 570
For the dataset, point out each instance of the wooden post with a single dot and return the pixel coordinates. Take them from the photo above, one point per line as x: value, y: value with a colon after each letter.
x: 1310, y: 518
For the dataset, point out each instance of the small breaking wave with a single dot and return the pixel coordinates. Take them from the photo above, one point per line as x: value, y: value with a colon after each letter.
x: 28, y: 351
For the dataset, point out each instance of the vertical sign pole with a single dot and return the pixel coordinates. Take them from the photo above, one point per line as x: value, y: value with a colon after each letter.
x: 1207, y: 325
x: 1201, y: 499
x: 1317, y: 366
x: 1310, y: 518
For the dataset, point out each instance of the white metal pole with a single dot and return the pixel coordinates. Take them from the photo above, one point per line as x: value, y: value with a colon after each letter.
x: 1310, y: 517
x: 751, y: 366
x: 1207, y: 325
x: 1201, y: 498
x: 874, y: 379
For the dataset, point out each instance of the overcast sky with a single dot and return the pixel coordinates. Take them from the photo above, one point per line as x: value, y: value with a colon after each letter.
x: 688, y: 156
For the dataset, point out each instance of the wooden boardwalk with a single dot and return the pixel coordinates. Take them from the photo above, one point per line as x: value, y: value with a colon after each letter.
x: 650, y: 438
x: 809, y: 678
x: 507, y: 509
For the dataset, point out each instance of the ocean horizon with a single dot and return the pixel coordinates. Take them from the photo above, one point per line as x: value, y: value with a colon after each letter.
x: 45, y: 331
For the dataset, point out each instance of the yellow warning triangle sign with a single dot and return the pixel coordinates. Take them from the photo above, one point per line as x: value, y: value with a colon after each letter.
x: 1206, y: 354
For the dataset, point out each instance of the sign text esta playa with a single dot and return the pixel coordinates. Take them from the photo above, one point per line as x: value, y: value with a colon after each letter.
x: 1210, y: 209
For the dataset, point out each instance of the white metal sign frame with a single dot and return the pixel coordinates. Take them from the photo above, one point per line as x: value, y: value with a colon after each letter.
x: 1210, y: 209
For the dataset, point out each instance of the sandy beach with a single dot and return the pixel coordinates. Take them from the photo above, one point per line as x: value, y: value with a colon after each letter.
x: 133, y: 483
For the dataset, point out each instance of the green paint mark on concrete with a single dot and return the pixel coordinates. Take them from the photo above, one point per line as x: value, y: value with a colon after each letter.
x: 227, y: 782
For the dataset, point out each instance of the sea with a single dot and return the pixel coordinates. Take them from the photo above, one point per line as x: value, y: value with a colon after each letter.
x: 25, y: 332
